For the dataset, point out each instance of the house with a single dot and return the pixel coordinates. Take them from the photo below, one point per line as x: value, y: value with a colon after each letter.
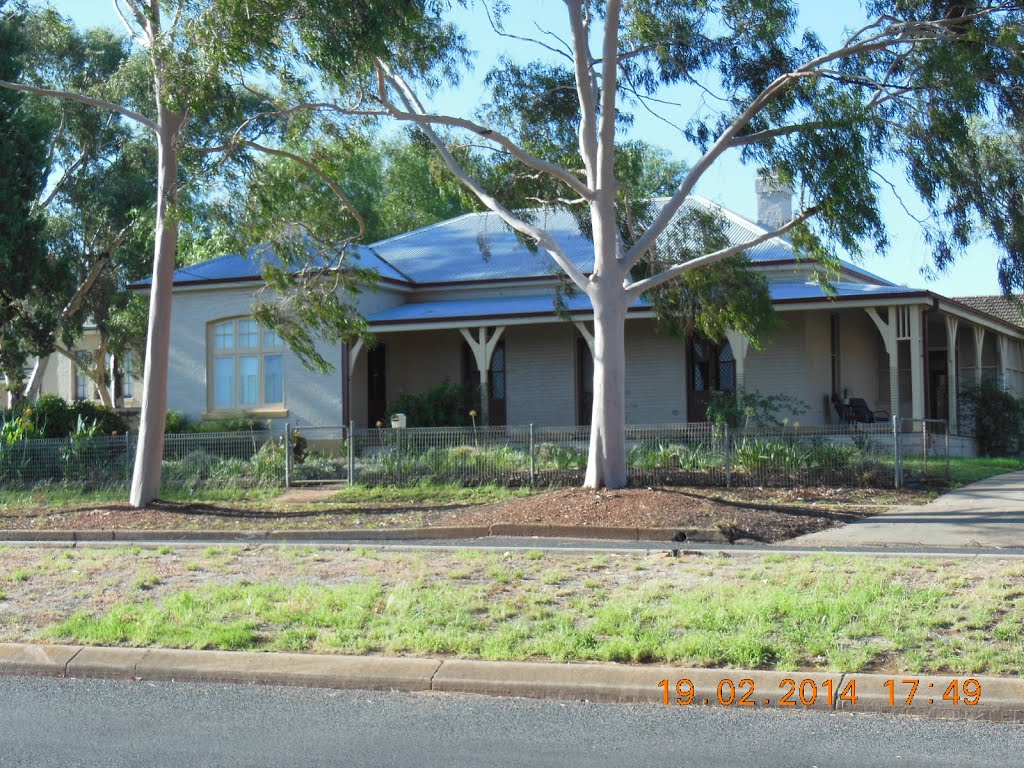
x: 466, y: 295
x: 65, y: 374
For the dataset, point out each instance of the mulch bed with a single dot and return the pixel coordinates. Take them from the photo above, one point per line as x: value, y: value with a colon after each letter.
x: 634, y: 507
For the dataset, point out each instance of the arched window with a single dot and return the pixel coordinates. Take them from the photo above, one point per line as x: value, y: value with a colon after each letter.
x: 246, y: 365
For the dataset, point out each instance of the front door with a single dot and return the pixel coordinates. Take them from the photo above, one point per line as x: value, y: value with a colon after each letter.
x: 376, y: 385
x: 712, y: 369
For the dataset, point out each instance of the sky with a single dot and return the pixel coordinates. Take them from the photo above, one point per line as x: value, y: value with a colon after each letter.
x: 728, y: 183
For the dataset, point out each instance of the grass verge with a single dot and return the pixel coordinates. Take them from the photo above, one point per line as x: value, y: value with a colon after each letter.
x: 775, y: 612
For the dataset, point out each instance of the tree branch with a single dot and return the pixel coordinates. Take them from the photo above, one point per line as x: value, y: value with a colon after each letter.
x: 326, y: 177
x: 82, y: 99
x: 641, y: 286
x: 543, y: 238
x: 586, y: 88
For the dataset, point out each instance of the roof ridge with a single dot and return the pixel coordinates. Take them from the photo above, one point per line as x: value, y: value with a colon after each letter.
x: 427, y: 228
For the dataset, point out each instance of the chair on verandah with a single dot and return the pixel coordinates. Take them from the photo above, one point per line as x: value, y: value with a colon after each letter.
x: 856, y: 410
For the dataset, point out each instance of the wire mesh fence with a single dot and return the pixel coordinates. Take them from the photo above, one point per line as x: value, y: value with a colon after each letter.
x: 923, y: 453
x: 191, y: 461
x: 872, y: 455
x: 680, y: 454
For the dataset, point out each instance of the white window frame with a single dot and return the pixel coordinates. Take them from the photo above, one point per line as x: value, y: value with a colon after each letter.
x: 265, y: 347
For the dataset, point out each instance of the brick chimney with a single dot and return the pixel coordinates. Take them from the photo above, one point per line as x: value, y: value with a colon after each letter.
x: 774, y: 200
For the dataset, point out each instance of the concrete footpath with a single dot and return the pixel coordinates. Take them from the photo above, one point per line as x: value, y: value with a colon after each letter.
x: 943, y: 696
x: 986, y: 514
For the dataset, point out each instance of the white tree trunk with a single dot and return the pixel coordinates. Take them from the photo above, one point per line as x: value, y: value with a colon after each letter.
x: 35, y: 381
x: 606, y: 464
x: 150, y: 451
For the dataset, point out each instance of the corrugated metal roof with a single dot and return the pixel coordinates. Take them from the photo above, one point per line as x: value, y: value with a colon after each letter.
x: 249, y: 267
x: 480, y: 247
x: 543, y: 304
x: 812, y: 291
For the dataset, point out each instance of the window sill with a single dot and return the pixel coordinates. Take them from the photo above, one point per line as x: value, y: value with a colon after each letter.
x: 249, y: 413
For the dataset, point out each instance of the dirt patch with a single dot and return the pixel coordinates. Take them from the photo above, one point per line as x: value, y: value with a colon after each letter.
x: 739, y: 513
x: 660, y: 508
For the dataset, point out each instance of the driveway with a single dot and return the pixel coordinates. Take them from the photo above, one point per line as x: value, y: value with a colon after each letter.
x: 989, y: 513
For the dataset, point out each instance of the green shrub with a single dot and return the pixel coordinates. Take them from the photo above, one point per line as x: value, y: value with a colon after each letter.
x: 760, y: 455
x: 998, y: 418
x: 52, y: 416
x: 107, y: 421
x: 178, y: 423
x: 753, y: 409
x: 442, y: 406
x: 231, y: 425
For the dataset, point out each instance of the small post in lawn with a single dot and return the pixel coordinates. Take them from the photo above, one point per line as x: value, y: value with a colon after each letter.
x: 728, y: 456
x: 532, y: 466
x: 898, y: 460
x: 287, y: 454
x: 949, y: 476
x: 351, y: 453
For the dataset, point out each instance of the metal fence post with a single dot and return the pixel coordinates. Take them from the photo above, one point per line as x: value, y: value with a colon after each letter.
x: 533, y: 468
x: 398, y: 452
x: 897, y: 458
x: 728, y: 456
x: 351, y: 453
x: 287, y: 454
x: 924, y: 442
x: 948, y: 475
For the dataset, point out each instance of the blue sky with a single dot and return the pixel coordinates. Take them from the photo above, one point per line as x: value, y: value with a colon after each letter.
x: 727, y: 182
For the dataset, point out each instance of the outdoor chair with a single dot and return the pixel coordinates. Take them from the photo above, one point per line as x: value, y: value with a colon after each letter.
x: 856, y: 410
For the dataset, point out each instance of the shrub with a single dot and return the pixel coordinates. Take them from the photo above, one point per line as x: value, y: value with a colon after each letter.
x: 998, y: 417
x: 107, y: 421
x: 753, y: 409
x: 178, y: 423
x: 442, y: 406
x: 52, y: 416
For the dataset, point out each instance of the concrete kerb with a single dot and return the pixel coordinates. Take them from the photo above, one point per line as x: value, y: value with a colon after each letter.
x: 606, y: 533
x: 1001, y: 699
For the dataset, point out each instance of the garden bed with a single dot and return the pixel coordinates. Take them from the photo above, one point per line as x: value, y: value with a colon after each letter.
x: 741, y: 513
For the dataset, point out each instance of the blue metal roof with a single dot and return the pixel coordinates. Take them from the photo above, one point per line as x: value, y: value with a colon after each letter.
x: 480, y: 247
x: 233, y: 266
x: 813, y: 291
x: 543, y: 305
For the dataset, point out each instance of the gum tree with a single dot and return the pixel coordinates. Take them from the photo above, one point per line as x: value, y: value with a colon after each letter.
x: 899, y: 90
x: 188, y: 85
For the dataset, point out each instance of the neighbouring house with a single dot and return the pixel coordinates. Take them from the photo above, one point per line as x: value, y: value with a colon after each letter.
x: 466, y: 301
x: 65, y: 374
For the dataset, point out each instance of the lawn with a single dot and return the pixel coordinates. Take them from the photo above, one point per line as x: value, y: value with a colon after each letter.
x: 853, y: 614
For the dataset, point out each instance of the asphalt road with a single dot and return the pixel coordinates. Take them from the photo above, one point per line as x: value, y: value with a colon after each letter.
x: 70, y: 723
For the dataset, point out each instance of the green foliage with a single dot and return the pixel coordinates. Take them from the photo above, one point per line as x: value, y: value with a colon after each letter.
x: 441, y: 406
x: 35, y: 282
x: 179, y: 423
x: 51, y: 416
x: 998, y: 417
x: 753, y: 409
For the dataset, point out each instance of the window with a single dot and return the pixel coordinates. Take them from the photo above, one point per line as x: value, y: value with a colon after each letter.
x: 83, y: 360
x: 246, y: 365
x: 128, y: 375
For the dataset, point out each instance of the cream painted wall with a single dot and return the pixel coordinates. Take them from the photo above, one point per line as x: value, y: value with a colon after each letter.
x: 541, y: 374
x: 310, y: 398
x: 655, y: 376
